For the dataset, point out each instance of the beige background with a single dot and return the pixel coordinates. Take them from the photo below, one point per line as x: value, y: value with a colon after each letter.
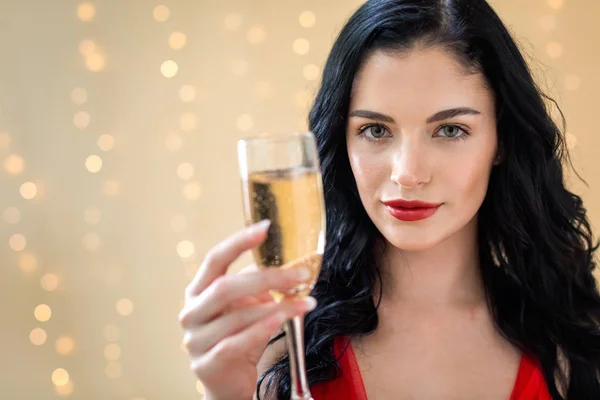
x: 115, y: 178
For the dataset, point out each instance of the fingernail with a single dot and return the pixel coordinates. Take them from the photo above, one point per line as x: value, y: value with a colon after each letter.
x: 260, y: 226
x: 310, y: 302
x: 303, y: 274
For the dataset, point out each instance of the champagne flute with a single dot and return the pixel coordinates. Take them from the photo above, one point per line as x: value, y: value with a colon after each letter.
x: 281, y: 181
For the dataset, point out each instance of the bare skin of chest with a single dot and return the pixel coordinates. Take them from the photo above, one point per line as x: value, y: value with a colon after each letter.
x: 445, y: 358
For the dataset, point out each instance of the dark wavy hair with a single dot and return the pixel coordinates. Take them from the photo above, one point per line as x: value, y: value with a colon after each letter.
x: 535, y: 242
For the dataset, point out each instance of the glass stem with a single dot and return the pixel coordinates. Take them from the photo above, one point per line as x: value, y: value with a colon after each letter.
x: 294, y: 333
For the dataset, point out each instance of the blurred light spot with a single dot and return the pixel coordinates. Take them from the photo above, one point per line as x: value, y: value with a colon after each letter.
x: 113, y: 370
x: 554, y: 50
x: 169, y: 68
x: 256, y: 34
x: 91, y: 215
x: 233, y: 22
x: 42, y: 313
x: 263, y: 90
x: 245, y: 122
x: 572, y: 82
x: 173, y: 142
x: 111, y: 333
x: 93, y: 163
x: 12, y: 215
x: 106, y: 142
x: 187, y: 93
x: 178, y: 223
x: 311, y: 72
x: 87, y: 47
x: 124, y: 307
x: 571, y: 141
x: 307, y: 19
x: 64, y: 390
x: 177, y: 40
x: 548, y: 23
x: 112, y: 352
x: 64, y: 345
x: 185, y: 249
x: 303, y: 99
x: 161, y: 13
x: 111, y: 188
x: 60, y: 377
x: 13, y: 164
x: 556, y: 4
x: 199, y: 387
x: 81, y: 119
x: 79, y: 95
x: 90, y: 241
x: 301, y: 46
x: 49, y: 282
x: 187, y: 121
x: 28, y: 190
x: 239, y: 68
x: 17, y: 242
x: 86, y: 11
x: 95, y: 62
x: 4, y: 140
x: 28, y: 262
x: 185, y: 171
x: 38, y: 336
x: 192, y: 191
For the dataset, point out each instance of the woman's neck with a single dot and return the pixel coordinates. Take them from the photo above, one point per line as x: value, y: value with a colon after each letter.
x: 446, y: 276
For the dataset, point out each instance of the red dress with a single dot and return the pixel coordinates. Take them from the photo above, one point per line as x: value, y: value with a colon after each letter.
x: 529, y: 385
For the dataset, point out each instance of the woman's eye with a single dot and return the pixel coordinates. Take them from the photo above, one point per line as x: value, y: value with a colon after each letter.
x: 374, y: 131
x: 451, y: 131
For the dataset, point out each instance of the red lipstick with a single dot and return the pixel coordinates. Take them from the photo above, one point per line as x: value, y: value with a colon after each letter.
x: 414, y: 210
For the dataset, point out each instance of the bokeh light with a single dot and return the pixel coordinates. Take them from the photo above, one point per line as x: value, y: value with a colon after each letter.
x: 161, y: 13
x: 86, y: 11
x: 192, y: 191
x: 301, y: 46
x: 177, y: 40
x: 28, y: 262
x: 185, y: 249
x: 42, y: 313
x: 256, y: 35
x: 11, y: 215
x: 307, y: 19
x: 38, y: 336
x: 124, y: 307
x: 185, y: 171
x: 14, y: 164
x: 187, y: 93
x: 64, y: 345
x: 60, y: 377
x: 106, y: 142
x: 17, y: 242
x: 81, y: 119
x: 28, y: 190
x: 93, y: 163
x: 49, y: 282
x: 233, y: 22
x: 79, y: 95
x: 169, y: 68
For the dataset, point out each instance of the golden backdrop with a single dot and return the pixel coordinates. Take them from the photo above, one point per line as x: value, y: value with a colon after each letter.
x: 118, y: 130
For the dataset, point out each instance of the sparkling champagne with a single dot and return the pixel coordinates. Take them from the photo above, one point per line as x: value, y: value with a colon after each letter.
x: 292, y: 200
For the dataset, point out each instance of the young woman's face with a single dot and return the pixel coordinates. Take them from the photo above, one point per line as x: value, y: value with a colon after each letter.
x: 420, y: 128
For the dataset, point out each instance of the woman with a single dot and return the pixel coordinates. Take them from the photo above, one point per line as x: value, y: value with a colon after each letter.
x: 457, y: 266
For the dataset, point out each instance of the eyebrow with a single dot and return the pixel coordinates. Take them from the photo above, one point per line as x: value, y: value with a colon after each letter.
x: 439, y: 116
